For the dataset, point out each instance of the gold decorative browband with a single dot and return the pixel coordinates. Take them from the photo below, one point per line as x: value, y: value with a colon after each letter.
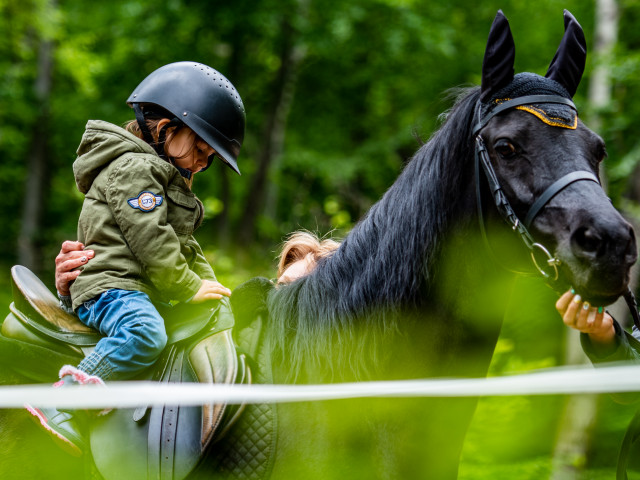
x: 570, y: 121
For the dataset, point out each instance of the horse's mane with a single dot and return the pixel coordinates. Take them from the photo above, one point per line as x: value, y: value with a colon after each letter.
x: 386, y: 263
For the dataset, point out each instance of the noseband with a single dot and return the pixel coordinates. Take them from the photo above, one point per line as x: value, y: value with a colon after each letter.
x: 549, y: 267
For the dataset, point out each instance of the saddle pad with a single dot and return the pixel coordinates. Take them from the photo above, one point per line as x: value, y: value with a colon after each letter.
x: 247, y: 452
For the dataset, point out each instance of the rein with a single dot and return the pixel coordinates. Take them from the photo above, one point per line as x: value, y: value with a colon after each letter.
x: 550, y: 269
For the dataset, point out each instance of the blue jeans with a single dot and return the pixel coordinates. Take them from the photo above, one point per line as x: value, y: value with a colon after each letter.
x: 134, y: 334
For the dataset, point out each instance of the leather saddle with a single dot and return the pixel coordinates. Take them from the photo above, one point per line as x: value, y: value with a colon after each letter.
x: 164, y: 442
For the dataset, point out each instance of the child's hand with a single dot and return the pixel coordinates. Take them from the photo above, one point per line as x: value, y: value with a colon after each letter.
x: 210, y: 290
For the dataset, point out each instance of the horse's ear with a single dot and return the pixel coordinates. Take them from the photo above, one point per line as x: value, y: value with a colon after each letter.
x: 567, y: 65
x: 497, y: 67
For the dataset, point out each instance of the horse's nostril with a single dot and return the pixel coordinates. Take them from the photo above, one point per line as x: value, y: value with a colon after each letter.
x: 586, y: 242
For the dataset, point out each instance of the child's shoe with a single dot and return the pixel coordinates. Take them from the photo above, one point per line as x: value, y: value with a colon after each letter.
x: 62, y: 424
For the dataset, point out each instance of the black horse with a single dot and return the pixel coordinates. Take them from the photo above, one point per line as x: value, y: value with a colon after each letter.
x: 410, y: 292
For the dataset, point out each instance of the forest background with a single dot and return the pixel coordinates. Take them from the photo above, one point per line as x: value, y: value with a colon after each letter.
x: 338, y: 94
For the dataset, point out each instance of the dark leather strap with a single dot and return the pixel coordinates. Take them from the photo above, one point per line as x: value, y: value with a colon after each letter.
x: 163, y: 423
x: 630, y: 298
x: 154, y: 436
x: 500, y: 199
x: 170, y: 422
x: 156, y: 423
x: 555, y: 188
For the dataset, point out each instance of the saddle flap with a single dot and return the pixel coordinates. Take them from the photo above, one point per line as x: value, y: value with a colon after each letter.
x: 168, y: 441
x: 186, y: 320
x: 214, y: 360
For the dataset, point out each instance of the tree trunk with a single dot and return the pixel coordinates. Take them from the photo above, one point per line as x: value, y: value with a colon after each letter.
x: 223, y: 231
x: 576, y: 422
x: 36, y: 185
x: 271, y: 146
x: 606, y: 33
x: 580, y: 411
x: 223, y: 219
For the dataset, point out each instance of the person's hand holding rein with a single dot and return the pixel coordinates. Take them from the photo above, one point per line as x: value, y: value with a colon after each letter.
x: 210, y: 290
x: 593, y: 321
x: 72, y: 255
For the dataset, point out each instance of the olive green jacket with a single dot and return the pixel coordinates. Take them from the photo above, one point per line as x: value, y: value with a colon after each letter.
x: 138, y: 216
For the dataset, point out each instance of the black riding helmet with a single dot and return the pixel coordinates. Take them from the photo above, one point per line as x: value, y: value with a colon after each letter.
x: 199, y: 97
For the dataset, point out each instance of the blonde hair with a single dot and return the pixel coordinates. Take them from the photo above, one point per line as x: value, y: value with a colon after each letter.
x: 301, y: 244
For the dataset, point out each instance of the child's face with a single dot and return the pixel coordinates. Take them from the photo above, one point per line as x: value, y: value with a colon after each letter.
x: 187, y: 153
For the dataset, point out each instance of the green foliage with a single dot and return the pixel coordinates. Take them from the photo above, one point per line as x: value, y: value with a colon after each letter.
x: 532, y: 469
x: 373, y: 76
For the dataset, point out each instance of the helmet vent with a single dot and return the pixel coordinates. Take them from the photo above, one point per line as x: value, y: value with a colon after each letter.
x: 215, y: 113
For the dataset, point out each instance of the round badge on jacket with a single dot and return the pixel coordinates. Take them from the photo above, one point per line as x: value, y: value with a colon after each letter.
x: 145, y: 201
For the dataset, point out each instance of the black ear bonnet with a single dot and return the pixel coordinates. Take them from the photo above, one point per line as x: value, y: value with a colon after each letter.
x: 524, y: 84
x: 499, y: 84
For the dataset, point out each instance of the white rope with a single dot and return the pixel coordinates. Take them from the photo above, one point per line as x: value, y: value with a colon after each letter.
x: 558, y: 381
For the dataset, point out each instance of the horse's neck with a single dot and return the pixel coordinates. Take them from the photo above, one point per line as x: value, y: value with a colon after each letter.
x: 398, y: 244
x: 387, y: 272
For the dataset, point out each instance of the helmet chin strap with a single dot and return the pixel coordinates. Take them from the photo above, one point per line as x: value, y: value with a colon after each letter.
x: 142, y: 124
x: 184, y: 172
x: 162, y: 136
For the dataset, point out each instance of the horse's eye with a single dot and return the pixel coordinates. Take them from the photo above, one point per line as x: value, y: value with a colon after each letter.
x: 505, y: 148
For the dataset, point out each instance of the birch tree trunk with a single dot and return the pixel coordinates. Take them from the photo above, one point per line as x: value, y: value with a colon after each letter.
x: 580, y: 411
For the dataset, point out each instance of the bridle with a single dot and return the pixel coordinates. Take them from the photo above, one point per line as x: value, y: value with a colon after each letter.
x: 548, y: 264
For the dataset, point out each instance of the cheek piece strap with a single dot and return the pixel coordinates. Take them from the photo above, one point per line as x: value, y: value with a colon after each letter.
x: 550, y: 270
x: 547, y: 266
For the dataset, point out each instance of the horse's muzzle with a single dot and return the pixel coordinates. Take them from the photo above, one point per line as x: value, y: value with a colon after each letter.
x: 603, y: 251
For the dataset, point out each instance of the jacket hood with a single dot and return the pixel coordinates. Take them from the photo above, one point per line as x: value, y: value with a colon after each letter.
x: 102, y: 143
